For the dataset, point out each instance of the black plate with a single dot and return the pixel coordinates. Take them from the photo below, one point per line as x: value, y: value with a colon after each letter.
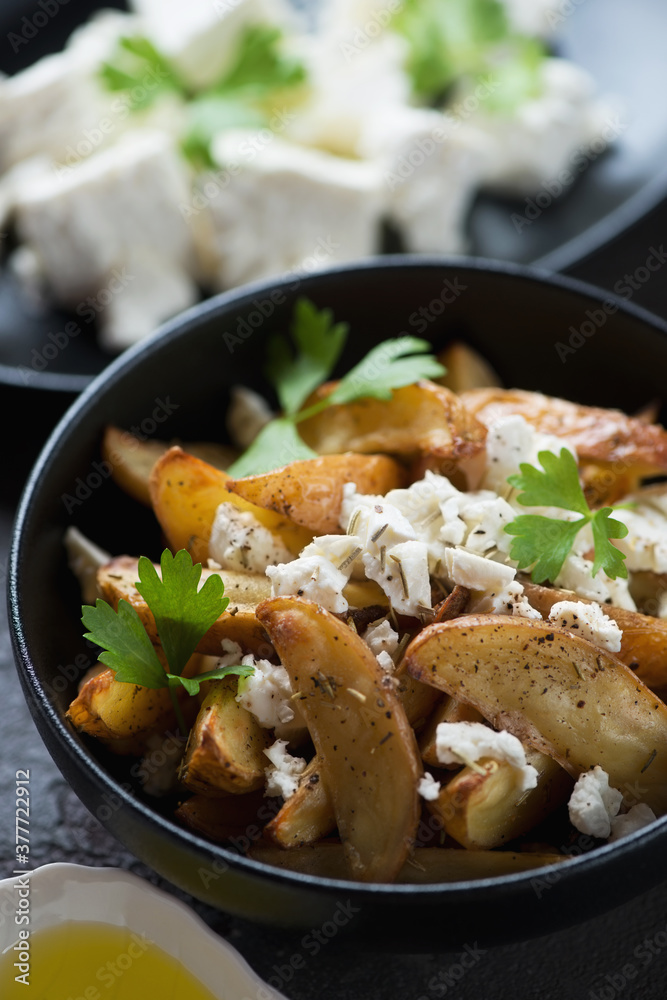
x: 515, y: 318
x: 624, y: 53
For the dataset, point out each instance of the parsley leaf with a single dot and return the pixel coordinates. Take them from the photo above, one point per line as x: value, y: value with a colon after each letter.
x: 135, y: 60
x: 261, y: 65
x: 128, y: 651
x: 319, y: 343
x: 242, y: 97
x: 386, y: 367
x: 557, y: 486
x: 278, y: 443
x: 448, y: 39
x: 183, y: 614
x: 544, y: 543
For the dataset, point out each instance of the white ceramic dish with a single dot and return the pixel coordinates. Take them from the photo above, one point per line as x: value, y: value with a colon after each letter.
x: 61, y: 892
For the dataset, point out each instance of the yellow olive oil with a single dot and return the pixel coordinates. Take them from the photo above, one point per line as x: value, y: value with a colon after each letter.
x: 93, y: 961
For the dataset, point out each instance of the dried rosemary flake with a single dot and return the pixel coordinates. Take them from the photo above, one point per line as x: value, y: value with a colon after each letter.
x: 404, y: 582
x: 350, y: 559
x: 379, y: 532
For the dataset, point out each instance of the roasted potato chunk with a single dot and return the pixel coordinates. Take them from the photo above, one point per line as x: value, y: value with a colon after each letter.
x: 557, y: 692
x: 644, y: 640
x: 132, y: 459
x: 121, y: 715
x: 421, y: 419
x: 225, y: 751
x: 118, y: 579
x: 185, y: 494
x: 310, y: 492
x: 597, y: 434
x: 369, y: 754
x: 488, y: 809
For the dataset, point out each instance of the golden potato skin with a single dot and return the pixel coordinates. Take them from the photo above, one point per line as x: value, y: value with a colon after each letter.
x: 310, y: 492
x: 556, y: 691
x: 369, y: 754
x: 419, y: 420
x: 597, y: 434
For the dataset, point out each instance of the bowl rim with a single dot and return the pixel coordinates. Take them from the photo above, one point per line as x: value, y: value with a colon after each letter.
x: 174, y: 329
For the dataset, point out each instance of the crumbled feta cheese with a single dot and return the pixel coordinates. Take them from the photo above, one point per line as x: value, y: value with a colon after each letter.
x: 402, y: 572
x: 282, y: 777
x: 645, y: 545
x: 342, y: 551
x: 381, y: 638
x: 519, y: 604
x: 512, y: 440
x: 635, y: 819
x: 577, y: 575
x: 267, y: 694
x: 594, y: 803
x: 589, y: 621
x: 201, y: 37
x: 487, y: 579
x: 467, y: 742
x: 386, y: 661
x: 428, y: 787
x: 312, y: 577
x: 239, y: 541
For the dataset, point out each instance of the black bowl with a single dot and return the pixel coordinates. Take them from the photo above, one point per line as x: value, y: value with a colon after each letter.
x: 540, y: 332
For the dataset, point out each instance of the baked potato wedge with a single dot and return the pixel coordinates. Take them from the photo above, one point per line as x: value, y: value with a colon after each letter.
x: 121, y: 715
x: 132, y: 459
x: 556, y: 691
x: 307, y: 815
x: 225, y: 749
x: 426, y: 865
x: 310, y: 492
x: 466, y: 369
x: 488, y: 809
x: 420, y: 419
x: 644, y: 640
x: 118, y: 580
x: 359, y: 728
x: 597, y: 434
x: 185, y: 494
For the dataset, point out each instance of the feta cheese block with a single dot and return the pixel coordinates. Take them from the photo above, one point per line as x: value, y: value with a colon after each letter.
x: 468, y: 742
x: 277, y: 208
x: 56, y: 107
x: 239, y: 541
x: 284, y: 771
x: 348, y: 87
x: 550, y: 138
x: 431, y: 170
x: 589, y: 621
x: 201, y: 37
x: 111, y: 228
x: 593, y: 803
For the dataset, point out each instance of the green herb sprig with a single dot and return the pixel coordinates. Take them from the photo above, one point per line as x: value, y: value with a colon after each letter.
x: 298, y: 366
x: 242, y: 97
x: 183, y: 614
x: 544, y: 543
